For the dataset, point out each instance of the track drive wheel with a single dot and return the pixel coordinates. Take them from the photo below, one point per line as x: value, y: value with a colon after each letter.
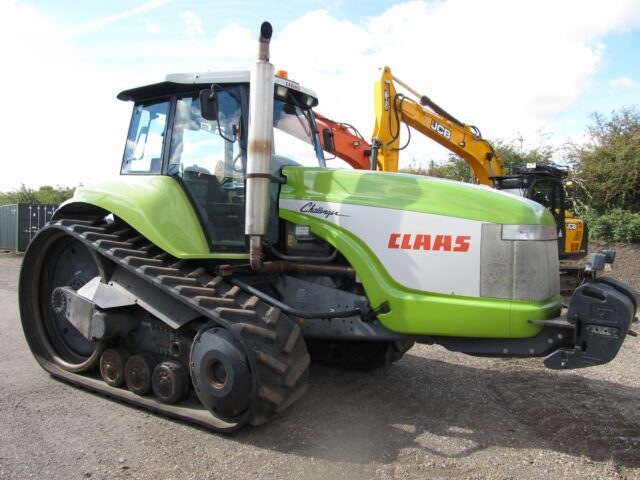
x: 253, y: 371
x: 221, y: 374
x: 55, y: 259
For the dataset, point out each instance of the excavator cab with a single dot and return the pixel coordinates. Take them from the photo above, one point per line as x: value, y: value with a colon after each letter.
x: 542, y: 184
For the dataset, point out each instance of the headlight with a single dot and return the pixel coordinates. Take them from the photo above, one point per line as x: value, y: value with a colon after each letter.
x: 529, y: 232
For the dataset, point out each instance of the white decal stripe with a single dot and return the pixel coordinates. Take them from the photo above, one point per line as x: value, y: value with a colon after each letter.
x: 414, y: 264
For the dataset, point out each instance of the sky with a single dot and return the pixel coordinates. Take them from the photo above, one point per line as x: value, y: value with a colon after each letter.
x: 531, y: 69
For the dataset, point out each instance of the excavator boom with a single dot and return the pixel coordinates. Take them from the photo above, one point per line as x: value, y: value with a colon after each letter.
x: 393, y: 108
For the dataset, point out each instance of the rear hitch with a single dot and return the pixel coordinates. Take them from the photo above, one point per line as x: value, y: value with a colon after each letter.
x: 601, y: 312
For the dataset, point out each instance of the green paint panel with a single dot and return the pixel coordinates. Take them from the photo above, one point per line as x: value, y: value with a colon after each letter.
x: 424, y: 313
x: 412, y: 192
x: 157, y: 207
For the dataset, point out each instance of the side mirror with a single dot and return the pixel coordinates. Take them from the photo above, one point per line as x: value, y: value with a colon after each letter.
x: 289, y: 109
x: 327, y: 140
x: 209, y: 104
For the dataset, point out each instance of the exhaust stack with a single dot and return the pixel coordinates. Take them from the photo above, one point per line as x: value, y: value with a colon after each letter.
x: 260, y: 139
x: 259, y: 169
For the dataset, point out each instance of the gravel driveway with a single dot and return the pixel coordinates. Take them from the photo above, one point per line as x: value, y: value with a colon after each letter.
x: 434, y: 414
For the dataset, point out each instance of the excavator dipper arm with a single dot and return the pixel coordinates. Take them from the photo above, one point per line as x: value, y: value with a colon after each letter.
x: 393, y: 108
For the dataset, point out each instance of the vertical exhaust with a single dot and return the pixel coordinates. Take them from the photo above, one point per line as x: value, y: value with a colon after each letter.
x: 260, y: 139
x: 258, y: 176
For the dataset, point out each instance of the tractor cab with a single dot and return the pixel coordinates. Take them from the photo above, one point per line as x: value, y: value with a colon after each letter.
x: 168, y: 135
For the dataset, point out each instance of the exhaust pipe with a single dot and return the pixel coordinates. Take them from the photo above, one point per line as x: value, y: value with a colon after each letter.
x: 260, y: 138
x: 259, y: 167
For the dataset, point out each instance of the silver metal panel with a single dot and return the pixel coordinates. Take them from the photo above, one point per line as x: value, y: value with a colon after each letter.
x: 534, y: 279
x: 496, y: 264
x: 517, y: 270
x: 107, y: 295
x: 554, y: 268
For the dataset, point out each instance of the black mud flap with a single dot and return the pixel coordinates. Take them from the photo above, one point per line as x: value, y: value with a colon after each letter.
x: 602, y: 312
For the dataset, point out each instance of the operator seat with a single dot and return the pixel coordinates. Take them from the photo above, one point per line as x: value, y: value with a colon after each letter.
x: 204, y: 187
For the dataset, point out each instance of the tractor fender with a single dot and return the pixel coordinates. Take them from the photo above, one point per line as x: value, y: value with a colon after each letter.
x: 155, y: 205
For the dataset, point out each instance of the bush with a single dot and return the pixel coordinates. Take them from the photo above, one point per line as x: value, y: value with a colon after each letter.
x: 455, y: 168
x: 45, y: 194
x: 608, y: 163
x: 615, y: 226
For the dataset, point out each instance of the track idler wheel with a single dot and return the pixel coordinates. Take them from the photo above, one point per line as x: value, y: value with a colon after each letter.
x: 170, y: 382
x: 137, y: 373
x: 112, y: 364
x: 55, y: 259
x: 221, y: 374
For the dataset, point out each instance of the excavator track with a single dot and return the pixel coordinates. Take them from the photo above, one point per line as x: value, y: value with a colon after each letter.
x: 272, y: 342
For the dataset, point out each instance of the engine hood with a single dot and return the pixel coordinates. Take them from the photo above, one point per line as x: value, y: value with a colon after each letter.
x: 414, y: 193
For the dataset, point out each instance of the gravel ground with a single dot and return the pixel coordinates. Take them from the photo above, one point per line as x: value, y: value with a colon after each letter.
x: 434, y: 414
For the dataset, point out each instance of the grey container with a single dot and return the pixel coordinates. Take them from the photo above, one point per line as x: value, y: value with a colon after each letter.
x: 20, y: 222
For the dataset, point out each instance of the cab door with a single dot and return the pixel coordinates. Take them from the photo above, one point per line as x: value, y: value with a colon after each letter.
x: 208, y: 158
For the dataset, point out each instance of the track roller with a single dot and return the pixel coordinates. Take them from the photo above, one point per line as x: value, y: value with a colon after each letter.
x: 112, y: 364
x: 137, y: 373
x: 170, y: 382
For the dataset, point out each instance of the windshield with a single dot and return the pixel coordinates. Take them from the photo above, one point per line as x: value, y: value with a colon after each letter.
x: 205, y: 146
x: 520, y: 192
x: 294, y: 133
x: 547, y: 193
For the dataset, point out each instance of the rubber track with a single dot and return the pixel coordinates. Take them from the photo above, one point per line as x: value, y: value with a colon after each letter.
x: 276, y: 350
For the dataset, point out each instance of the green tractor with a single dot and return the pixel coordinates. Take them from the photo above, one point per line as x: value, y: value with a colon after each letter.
x: 201, y: 282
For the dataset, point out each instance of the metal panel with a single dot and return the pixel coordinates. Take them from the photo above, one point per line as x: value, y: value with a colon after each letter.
x: 20, y: 222
x: 9, y: 227
x: 518, y: 270
x: 32, y: 218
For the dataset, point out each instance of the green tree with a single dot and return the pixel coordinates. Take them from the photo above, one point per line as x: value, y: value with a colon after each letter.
x: 454, y: 168
x: 514, y: 154
x: 608, y: 163
x: 416, y: 168
x: 23, y: 194
x: 50, y: 195
x: 44, y: 195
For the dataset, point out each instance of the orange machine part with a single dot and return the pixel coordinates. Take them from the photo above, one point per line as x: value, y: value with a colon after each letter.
x: 349, y: 145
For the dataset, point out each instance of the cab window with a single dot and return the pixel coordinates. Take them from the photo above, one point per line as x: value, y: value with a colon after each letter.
x: 143, y: 150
